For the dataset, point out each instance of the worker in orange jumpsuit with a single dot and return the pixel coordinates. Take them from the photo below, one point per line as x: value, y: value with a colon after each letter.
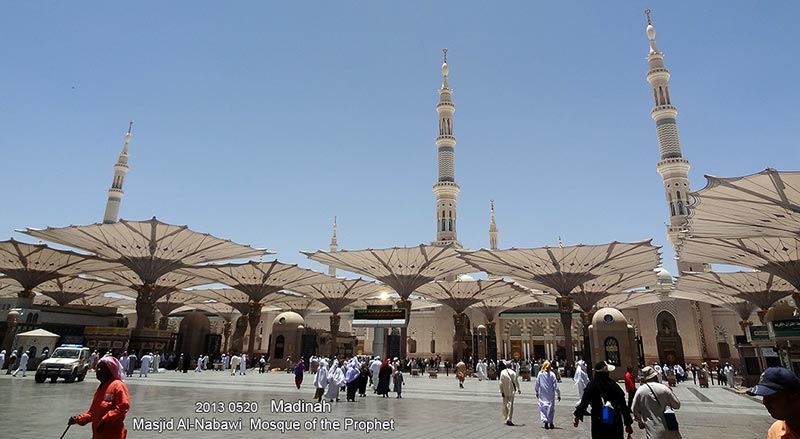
x: 110, y: 403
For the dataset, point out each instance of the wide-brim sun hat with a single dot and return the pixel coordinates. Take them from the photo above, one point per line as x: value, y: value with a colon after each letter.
x: 648, y: 373
x: 604, y: 367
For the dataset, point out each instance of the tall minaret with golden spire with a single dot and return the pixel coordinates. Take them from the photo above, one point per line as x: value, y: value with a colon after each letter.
x: 115, y: 193
x: 673, y: 167
x: 446, y: 189
x: 334, y: 247
x: 492, y: 229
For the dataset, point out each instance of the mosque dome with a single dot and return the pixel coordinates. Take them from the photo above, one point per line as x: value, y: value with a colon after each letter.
x: 288, y: 318
x: 465, y: 278
x: 664, y: 276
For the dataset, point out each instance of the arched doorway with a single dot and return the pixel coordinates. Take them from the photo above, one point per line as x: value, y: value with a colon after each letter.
x: 668, y: 341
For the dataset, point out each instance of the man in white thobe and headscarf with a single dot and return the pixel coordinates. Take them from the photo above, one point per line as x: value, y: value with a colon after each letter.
x: 144, y: 366
x: 374, y: 368
x: 226, y: 360
x: 321, y: 379
x: 235, y: 360
x: 481, y: 368
x: 547, y: 391
x: 23, y: 364
x: 509, y: 384
x: 581, y: 379
x: 243, y: 365
x: 335, y: 382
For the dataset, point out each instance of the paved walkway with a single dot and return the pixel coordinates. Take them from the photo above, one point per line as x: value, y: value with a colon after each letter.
x: 429, y: 408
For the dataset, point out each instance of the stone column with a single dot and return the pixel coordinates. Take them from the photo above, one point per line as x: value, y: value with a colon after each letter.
x: 404, y: 304
x: 145, y: 307
x: 761, y: 314
x: 491, y: 341
x: 565, y: 306
x: 11, y: 331
x: 458, y: 338
x: 253, y: 317
x: 335, y: 320
x: 744, y: 324
x: 586, y: 319
x: 163, y: 323
x: 226, y: 332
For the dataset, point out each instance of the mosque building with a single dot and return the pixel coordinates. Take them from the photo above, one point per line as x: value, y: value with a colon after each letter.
x: 670, y: 330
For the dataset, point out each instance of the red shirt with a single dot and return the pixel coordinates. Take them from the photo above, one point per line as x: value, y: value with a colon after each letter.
x: 110, y: 404
x: 630, y: 384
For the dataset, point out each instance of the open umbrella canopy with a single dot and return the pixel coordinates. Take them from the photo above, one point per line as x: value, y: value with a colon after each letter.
x: 9, y: 287
x: 402, y: 269
x: 560, y: 270
x: 258, y: 280
x: 65, y: 290
x: 104, y: 301
x: 778, y: 256
x: 630, y: 299
x: 762, y: 204
x: 465, y: 292
x: 416, y: 302
x: 587, y: 295
x: 491, y: 307
x: 340, y: 294
x: 299, y: 304
x: 166, y: 284
x: 743, y: 308
x: 224, y: 310
x: 760, y: 288
x: 30, y: 265
x: 150, y: 248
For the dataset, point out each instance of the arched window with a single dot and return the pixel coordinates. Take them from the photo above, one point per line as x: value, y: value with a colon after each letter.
x: 280, y: 341
x: 671, y: 206
x: 612, y: 351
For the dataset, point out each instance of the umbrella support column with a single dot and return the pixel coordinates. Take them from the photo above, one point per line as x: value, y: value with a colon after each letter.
x: 565, y: 305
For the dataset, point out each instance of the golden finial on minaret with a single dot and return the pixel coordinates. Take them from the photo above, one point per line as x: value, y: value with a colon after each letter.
x: 560, y: 242
x: 647, y: 12
x: 130, y: 125
x: 445, y: 54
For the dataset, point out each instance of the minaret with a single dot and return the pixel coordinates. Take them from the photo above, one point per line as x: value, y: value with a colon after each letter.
x: 492, y: 229
x: 446, y: 189
x: 334, y: 247
x: 115, y: 193
x: 673, y: 167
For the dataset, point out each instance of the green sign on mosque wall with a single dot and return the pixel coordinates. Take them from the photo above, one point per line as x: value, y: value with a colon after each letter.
x: 784, y: 328
x: 757, y: 333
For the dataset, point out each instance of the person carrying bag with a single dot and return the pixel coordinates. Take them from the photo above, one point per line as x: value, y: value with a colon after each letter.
x: 653, y: 407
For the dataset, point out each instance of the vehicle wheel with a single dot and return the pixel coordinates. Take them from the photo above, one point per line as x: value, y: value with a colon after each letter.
x: 83, y: 375
x: 71, y: 377
x: 39, y: 378
x: 54, y: 379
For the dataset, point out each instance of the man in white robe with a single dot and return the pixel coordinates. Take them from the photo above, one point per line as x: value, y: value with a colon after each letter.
x: 729, y: 374
x: 156, y: 362
x: 581, y: 379
x: 226, y: 361
x: 235, y: 360
x: 335, y: 382
x: 145, y: 365
x: 199, y: 367
x: 23, y: 365
x: 321, y: 379
x: 374, y: 368
x: 547, y: 391
x: 243, y: 365
x: 509, y: 384
x: 481, y: 368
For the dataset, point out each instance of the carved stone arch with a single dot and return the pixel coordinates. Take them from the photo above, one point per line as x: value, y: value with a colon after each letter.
x: 513, y: 328
x: 720, y: 333
x: 536, y: 328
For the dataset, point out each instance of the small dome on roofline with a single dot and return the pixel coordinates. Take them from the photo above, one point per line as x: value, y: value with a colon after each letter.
x: 465, y: 278
x: 664, y: 276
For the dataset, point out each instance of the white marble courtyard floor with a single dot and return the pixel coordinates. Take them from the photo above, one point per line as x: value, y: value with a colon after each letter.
x: 429, y: 408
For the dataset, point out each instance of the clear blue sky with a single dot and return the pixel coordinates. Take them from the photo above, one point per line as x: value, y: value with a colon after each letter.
x: 260, y: 121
